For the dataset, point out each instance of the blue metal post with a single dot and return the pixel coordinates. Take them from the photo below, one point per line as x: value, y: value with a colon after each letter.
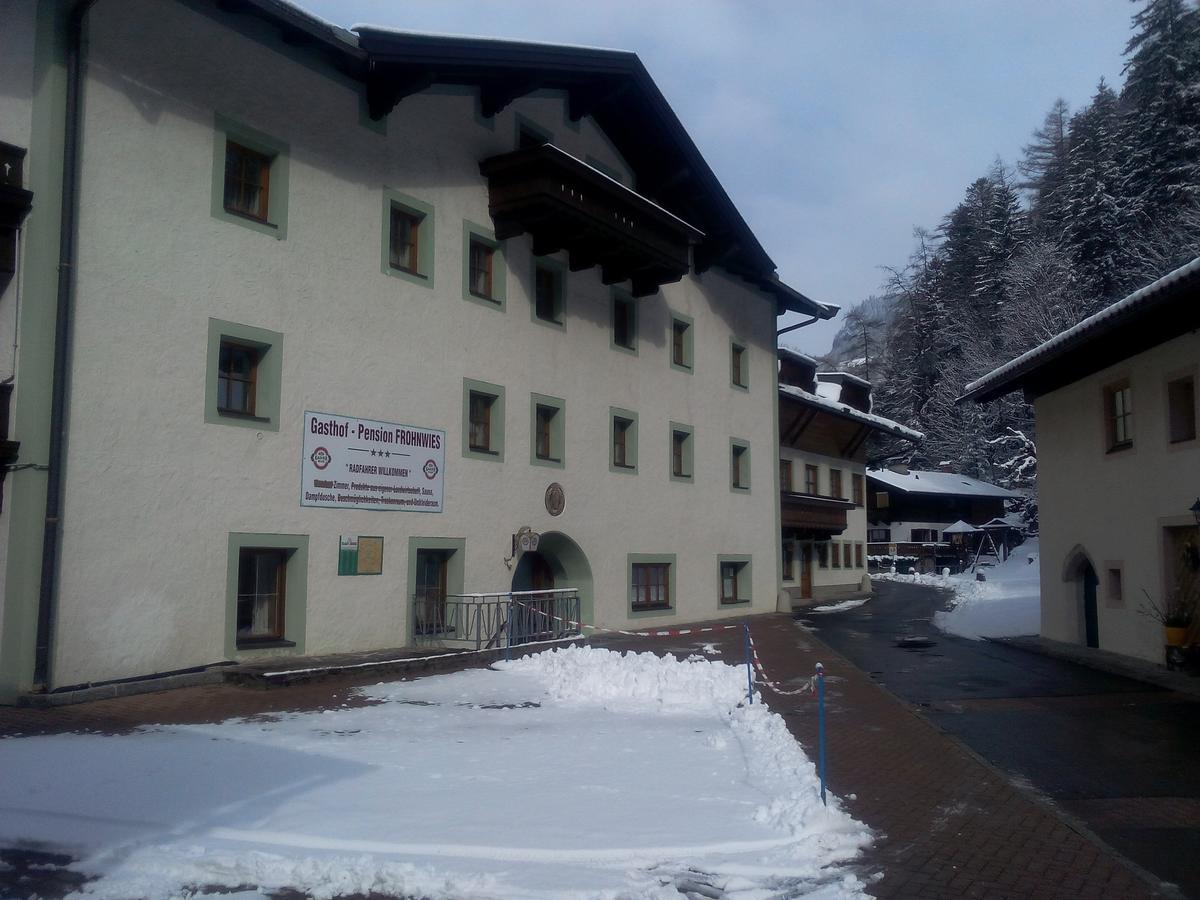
x: 821, y: 728
x: 749, y: 670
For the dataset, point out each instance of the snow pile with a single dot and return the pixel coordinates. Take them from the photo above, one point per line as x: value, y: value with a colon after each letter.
x: 579, y: 772
x: 1008, y: 603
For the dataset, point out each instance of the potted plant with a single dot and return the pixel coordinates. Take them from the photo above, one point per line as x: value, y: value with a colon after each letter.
x: 1175, y: 613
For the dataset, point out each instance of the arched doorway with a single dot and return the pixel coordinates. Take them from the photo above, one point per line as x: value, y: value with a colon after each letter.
x: 558, y: 563
x: 1082, y: 575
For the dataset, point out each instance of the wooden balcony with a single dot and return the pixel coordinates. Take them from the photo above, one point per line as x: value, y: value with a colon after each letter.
x: 811, y: 517
x: 565, y: 204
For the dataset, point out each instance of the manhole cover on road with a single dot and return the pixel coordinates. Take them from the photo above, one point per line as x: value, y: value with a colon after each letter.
x: 914, y: 642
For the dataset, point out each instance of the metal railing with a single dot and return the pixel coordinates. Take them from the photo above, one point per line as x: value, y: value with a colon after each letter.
x: 492, y: 620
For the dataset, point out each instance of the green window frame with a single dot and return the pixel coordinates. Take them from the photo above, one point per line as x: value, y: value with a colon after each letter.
x: 555, y: 434
x: 622, y: 440
x: 740, y: 566
x: 267, y: 347
x: 739, y: 364
x: 495, y: 405
x: 739, y: 466
x: 475, y: 234
x: 635, y: 584
x: 422, y: 215
x: 548, y: 292
x: 623, y: 319
x: 681, y: 464
x: 682, y: 345
x: 227, y: 135
x: 294, y: 548
x: 455, y: 551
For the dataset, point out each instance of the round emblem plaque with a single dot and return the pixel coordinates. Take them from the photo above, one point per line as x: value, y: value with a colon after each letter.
x: 556, y: 499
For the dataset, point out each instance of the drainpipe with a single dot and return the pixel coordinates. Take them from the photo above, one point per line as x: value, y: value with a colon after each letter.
x: 784, y: 331
x: 62, y: 345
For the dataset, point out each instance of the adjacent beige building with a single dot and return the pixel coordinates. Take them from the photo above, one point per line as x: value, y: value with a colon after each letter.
x: 1118, y: 463
x: 825, y: 422
x: 363, y: 303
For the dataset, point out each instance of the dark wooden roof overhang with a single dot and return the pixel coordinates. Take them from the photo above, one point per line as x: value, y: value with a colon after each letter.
x: 1161, y: 313
x: 565, y: 204
x: 614, y: 89
x: 810, y: 517
x: 796, y: 414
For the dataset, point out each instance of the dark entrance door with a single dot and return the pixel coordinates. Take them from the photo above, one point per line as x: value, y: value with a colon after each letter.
x: 806, y: 570
x: 1091, y: 623
x: 429, y: 601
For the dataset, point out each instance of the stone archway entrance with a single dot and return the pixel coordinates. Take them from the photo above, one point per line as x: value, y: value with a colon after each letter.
x: 1081, y: 574
x: 558, y: 563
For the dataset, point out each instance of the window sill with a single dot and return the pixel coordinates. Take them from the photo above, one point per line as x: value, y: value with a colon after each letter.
x: 637, y: 607
x: 622, y: 467
x: 474, y: 296
x: 1118, y: 448
x: 745, y: 602
x: 549, y: 459
x: 263, y: 643
x: 485, y: 451
x: 245, y: 417
x: 257, y: 220
x: 407, y: 271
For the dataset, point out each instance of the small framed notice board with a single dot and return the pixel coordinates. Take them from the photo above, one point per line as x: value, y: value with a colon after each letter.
x: 360, y: 555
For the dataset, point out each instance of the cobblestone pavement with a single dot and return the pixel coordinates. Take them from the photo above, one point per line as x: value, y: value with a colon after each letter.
x: 947, y: 824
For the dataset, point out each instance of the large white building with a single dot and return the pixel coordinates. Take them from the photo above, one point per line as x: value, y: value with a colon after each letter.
x: 323, y: 301
x: 1118, y: 466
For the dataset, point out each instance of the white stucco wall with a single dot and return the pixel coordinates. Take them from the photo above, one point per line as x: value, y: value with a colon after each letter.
x: 153, y: 491
x: 1113, y: 507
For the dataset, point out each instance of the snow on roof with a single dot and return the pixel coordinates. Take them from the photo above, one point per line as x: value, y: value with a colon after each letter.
x: 1078, y: 334
x: 945, y: 483
x: 960, y: 527
x: 830, y: 390
x: 796, y: 356
x: 850, y: 412
x: 491, y: 39
x: 1012, y: 520
x: 845, y: 376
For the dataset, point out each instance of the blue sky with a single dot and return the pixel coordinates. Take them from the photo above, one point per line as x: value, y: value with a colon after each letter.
x: 835, y: 126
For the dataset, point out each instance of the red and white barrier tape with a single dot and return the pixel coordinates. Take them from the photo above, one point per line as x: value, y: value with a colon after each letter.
x: 808, y: 688
x: 664, y: 632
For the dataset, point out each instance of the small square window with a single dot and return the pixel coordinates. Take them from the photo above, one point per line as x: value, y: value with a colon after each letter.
x: 729, y: 582
x: 547, y: 294
x: 237, y: 375
x: 482, y: 267
x: 244, y: 376
x: 247, y: 182
x: 835, y: 483
x: 483, y: 420
x: 544, y: 428
x: 1181, y: 409
x: 1114, y: 589
x: 679, y: 466
x: 739, y: 463
x: 681, y: 343
x: 624, y: 322
x: 261, y: 595
x: 249, y: 178
x: 811, y: 485
x: 650, y: 586
x: 1118, y: 408
x: 623, y: 452
x: 879, y: 535
x: 405, y: 241
x: 739, y: 373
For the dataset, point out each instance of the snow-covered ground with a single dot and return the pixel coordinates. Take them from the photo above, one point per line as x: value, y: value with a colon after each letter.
x: 576, y: 772
x: 1006, y: 604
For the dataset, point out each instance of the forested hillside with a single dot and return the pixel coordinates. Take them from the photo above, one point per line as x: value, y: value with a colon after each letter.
x: 1104, y: 200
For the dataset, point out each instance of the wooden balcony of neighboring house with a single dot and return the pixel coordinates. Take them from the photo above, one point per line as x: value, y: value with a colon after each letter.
x: 565, y: 204
x: 812, y: 517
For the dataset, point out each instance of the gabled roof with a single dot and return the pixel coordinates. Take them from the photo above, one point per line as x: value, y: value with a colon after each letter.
x: 1158, y: 312
x: 960, y: 527
x: 949, y: 484
x: 824, y: 404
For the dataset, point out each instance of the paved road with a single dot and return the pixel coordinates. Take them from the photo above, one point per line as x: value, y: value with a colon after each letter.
x: 1120, y: 755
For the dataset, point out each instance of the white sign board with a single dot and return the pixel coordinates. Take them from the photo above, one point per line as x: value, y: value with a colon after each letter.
x: 353, y: 463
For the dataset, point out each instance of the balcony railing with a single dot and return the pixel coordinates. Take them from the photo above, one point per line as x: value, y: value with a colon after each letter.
x: 814, y: 517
